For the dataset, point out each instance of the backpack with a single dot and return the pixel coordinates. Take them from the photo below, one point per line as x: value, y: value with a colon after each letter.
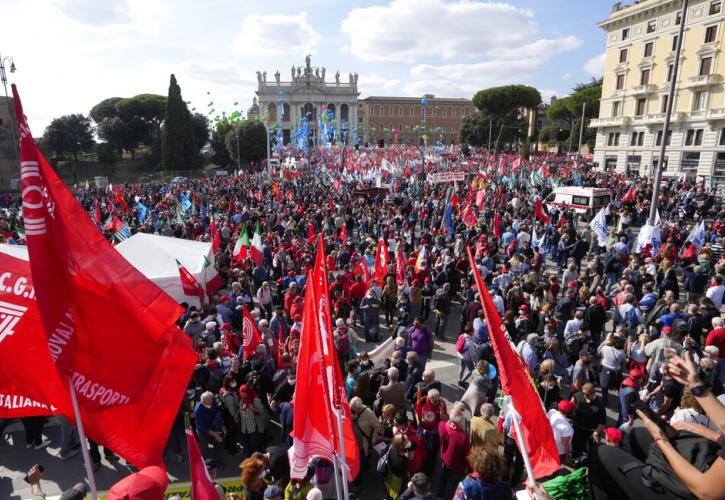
x: 573, y: 345
x: 383, y: 466
x: 631, y: 318
x: 461, y: 344
x: 342, y: 342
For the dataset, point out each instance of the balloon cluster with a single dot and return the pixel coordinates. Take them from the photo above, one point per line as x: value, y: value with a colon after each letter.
x: 327, y: 126
x: 301, y: 134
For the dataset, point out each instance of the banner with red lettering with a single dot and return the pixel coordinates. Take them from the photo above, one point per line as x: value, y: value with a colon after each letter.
x: 110, y: 331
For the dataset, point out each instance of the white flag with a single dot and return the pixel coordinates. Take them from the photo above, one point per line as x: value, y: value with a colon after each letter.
x: 657, y: 217
x: 649, y: 234
x: 535, y: 242
x: 599, y: 226
x: 697, y: 235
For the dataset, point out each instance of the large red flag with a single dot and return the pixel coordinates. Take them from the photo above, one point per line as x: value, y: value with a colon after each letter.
x: 479, y: 199
x: 110, y: 331
x: 333, y: 374
x: 516, y: 383
x: 343, y: 234
x: 382, y: 259
x: 250, y: 335
x: 202, y: 487
x: 539, y: 212
x: 496, y: 226
x: 361, y: 269
x: 313, y: 431
x: 630, y: 195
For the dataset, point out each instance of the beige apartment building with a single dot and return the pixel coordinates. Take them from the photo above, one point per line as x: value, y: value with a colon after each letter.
x: 640, y: 53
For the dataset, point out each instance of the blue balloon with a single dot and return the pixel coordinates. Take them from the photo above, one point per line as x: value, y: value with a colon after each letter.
x: 281, y: 93
x: 424, y: 101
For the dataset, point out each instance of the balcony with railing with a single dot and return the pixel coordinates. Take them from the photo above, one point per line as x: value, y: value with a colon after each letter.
x: 716, y: 114
x: 703, y: 80
x: 608, y: 121
x: 646, y: 88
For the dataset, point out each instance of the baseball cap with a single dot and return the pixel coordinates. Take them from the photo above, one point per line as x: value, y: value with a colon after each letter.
x: 147, y: 484
x: 566, y: 406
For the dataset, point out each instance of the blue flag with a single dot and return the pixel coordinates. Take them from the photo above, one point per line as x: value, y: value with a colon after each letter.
x: 185, y: 203
x: 448, y: 220
x: 142, y: 211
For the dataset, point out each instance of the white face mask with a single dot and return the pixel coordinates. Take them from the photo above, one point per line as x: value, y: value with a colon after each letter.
x: 233, y: 385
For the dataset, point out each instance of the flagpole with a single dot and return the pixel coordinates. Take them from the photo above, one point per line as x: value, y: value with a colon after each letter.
x: 84, y: 444
x: 520, y: 438
x: 336, y: 465
x: 345, y: 493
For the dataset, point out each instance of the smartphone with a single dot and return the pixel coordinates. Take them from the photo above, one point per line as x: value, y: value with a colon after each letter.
x: 669, y: 431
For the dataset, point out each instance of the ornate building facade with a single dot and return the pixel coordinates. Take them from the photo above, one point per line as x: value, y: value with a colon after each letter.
x: 307, y: 93
x: 9, y: 150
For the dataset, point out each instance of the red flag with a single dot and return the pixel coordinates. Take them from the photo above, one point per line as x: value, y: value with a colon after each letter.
x: 539, y: 212
x: 630, y: 195
x: 90, y: 301
x: 343, y: 234
x: 202, y: 487
x: 382, y: 259
x: 361, y: 269
x: 469, y: 217
x: 311, y: 233
x: 454, y: 201
x: 216, y: 241
x: 496, y: 226
x: 330, y: 204
x: 400, y: 264
x: 260, y: 196
x: 479, y: 199
x: 121, y: 202
x: 278, y: 196
x: 97, y: 214
x: 188, y: 282
x: 516, y: 383
x: 280, y: 343
x: 313, y: 429
x: 334, y: 383
x: 250, y: 334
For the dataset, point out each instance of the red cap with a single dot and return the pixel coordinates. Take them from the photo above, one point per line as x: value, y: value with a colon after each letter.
x: 147, y: 484
x: 566, y: 406
x: 666, y: 330
x: 613, y: 434
x: 504, y: 269
x: 523, y: 307
x: 224, y: 298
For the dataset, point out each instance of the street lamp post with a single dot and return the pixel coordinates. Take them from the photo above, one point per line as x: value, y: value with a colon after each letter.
x: 4, y: 78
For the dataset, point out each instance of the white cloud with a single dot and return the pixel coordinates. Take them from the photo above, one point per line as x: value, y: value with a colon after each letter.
x: 275, y: 35
x: 566, y: 76
x: 595, y: 65
x: 375, y: 84
x: 406, y: 30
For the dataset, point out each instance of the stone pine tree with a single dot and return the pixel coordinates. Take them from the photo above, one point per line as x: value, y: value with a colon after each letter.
x: 177, y: 140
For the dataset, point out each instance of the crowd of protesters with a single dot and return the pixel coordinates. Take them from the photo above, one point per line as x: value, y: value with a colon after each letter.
x: 630, y: 328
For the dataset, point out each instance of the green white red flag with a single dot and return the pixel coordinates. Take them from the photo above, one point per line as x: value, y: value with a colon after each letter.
x: 256, y: 247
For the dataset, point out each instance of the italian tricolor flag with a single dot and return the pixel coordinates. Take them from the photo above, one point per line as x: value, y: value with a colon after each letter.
x: 241, y: 248
x: 257, y: 256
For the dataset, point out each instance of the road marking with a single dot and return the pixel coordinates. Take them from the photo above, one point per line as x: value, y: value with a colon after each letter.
x: 435, y: 365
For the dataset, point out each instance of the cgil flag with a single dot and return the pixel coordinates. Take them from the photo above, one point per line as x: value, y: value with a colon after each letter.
x: 250, y: 335
x: 536, y: 431
x: 599, y: 226
x: 400, y: 265
x: 202, y: 486
x: 90, y: 301
x: 382, y: 260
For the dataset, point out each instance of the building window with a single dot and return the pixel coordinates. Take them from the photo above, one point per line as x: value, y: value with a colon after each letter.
x: 623, y: 55
x: 633, y: 140
x: 715, y: 7
x: 648, y: 49
x: 616, y: 139
x: 698, y: 103
x: 637, y: 139
x: 613, y: 139
x: 443, y: 129
x: 616, y: 108
x: 678, y: 18
x: 670, y: 69
x: 400, y: 110
x: 625, y: 34
x: 444, y: 111
x: 644, y: 77
x: 705, y: 64
x: 694, y: 137
x: 710, y: 34
x: 658, y: 141
x: 652, y: 26
x: 620, y: 82
x: 674, y: 42
x: 722, y: 137
x: 665, y: 99
x: 392, y: 113
x: 641, y: 106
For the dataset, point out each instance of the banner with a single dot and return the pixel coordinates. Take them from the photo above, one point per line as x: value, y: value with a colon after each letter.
x: 183, y: 489
x: 439, y: 177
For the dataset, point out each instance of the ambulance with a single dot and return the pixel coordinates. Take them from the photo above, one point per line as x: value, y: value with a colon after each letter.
x: 579, y: 199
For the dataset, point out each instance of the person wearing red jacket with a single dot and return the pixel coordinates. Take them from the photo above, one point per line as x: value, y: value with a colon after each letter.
x: 717, y: 336
x: 455, y: 446
x: 430, y: 412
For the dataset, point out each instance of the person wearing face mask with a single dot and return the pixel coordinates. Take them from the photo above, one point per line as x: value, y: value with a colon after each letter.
x: 230, y: 414
x: 588, y: 420
x: 209, y: 423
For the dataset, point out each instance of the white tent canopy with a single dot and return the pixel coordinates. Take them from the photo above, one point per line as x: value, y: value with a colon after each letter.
x: 155, y: 256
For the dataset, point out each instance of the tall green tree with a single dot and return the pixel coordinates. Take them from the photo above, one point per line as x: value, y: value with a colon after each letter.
x: 177, y: 139
x: 69, y: 134
x: 105, y: 109
x: 252, y: 141
x: 149, y: 109
x: 505, y: 105
x: 218, y: 144
x: 566, y: 112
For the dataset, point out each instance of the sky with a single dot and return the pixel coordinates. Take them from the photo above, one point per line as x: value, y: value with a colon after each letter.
x: 71, y: 54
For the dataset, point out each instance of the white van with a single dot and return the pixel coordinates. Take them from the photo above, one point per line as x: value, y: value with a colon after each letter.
x: 580, y: 199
